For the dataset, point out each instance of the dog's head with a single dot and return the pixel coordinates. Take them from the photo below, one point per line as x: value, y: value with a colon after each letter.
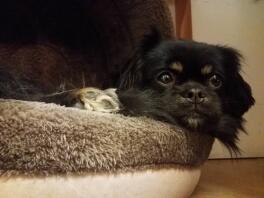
x: 198, y: 85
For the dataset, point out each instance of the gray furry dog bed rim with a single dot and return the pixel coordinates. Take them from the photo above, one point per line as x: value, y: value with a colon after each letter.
x: 45, y: 139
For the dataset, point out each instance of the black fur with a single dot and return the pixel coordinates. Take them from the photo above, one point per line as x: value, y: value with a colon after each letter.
x: 221, y: 114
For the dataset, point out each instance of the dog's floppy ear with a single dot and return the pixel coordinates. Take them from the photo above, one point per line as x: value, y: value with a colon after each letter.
x: 239, y: 93
x: 150, y: 41
x: 132, y: 75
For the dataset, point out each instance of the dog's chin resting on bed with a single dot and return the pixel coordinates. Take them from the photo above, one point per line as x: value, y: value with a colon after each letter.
x: 195, y: 85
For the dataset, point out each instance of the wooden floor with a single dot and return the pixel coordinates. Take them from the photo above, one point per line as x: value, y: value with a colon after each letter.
x: 232, y: 179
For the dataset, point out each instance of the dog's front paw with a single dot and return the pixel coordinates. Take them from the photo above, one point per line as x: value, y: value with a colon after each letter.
x: 97, y: 100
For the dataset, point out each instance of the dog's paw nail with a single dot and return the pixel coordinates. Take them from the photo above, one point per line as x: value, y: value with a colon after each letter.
x: 78, y: 105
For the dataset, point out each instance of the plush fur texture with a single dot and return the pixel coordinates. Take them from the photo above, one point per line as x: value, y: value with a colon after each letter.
x: 195, y: 85
x: 42, y: 139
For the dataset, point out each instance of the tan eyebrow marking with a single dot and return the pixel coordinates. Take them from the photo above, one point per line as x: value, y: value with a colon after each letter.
x: 207, y: 69
x: 177, y: 66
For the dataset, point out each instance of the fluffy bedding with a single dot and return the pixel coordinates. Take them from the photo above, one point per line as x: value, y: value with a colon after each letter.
x: 41, y: 139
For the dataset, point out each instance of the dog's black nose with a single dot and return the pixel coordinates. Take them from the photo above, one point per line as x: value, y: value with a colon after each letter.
x: 195, y: 95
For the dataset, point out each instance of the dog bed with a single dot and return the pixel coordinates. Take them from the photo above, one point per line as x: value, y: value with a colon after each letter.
x: 48, y: 150
x: 45, y: 147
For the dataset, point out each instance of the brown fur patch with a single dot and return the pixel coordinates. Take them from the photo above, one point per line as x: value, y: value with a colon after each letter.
x: 177, y: 66
x: 207, y: 69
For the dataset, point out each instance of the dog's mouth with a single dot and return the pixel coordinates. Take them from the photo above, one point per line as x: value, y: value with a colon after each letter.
x: 194, y: 119
x: 198, y: 118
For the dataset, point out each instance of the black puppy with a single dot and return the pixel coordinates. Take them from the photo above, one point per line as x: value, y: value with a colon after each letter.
x: 195, y: 85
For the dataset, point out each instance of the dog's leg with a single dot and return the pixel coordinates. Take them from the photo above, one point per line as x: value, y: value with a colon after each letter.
x: 97, y: 100
x: 86, y: 98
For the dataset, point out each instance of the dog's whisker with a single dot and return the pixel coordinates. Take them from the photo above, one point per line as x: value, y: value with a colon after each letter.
x: 59, y: 93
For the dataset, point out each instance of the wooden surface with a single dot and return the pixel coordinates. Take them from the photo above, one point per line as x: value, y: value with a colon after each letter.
x: 183, y: 19
x: 242, y: 178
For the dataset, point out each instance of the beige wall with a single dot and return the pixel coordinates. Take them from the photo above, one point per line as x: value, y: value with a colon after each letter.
x: 240, y: 24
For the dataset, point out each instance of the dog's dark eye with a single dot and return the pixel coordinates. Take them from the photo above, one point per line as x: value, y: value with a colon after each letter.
x: 166, y: 78
x: 215, y: 82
